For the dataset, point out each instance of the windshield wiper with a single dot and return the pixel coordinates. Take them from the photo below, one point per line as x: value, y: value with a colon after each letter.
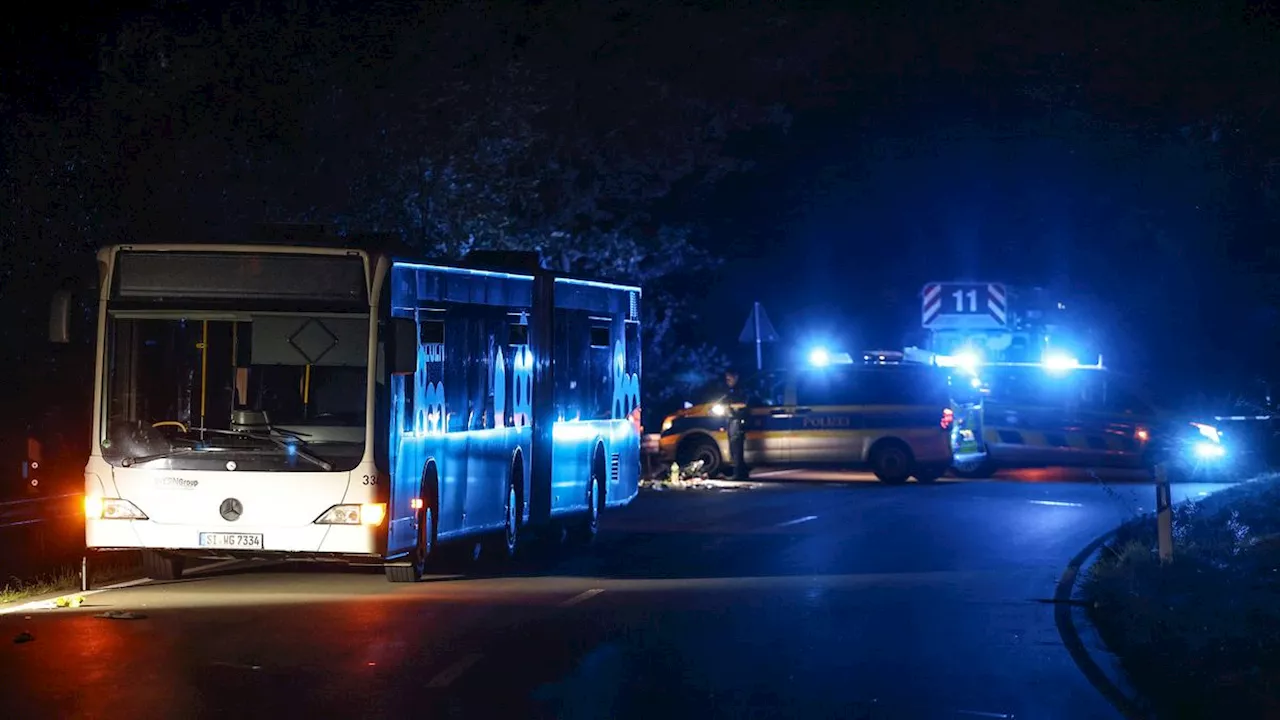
x: 135, y: 459
x: 294, y: 448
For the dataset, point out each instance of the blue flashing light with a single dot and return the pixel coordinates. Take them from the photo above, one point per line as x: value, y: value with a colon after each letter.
x: 1209, y: 450
x: 966, y: 360
x: 975, y: 382
x: 819, y: 357
x: 1059, y: 362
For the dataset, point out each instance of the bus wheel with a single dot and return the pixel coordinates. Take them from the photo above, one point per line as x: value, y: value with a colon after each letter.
x: 891, y: 462
x: 503, y: 548
x: 415, y: 567
x: 162, y: 566
x: 585, y: 531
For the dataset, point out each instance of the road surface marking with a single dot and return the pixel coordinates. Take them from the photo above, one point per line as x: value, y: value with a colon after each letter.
x: 123, y: 585
x: 213, y: 566
x: 454, y: 671
x: 797, y: 521
x: 581, y: 597
x: 771, y: 473
x: 1054, y: 503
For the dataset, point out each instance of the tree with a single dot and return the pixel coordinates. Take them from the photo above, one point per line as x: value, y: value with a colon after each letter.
x: 587, y: 134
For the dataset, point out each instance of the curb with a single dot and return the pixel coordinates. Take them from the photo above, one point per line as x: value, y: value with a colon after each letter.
x: 49, y: 601
x: 1110, y: 684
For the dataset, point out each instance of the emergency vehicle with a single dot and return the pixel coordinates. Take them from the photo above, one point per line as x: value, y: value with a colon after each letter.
x: 1030, y: 402
x: 893, y: 419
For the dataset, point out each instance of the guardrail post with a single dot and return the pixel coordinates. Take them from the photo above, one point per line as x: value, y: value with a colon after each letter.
x: 1164, y: 514
x: 84, y: 573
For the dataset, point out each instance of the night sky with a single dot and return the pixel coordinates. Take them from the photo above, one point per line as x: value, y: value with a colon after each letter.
x: 1122, y: 154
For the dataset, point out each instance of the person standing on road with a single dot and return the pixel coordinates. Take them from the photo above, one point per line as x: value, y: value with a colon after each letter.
x: 736, y: 403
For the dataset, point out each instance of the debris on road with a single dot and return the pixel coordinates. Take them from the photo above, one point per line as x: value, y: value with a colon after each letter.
x: 121, y: 615
x: 23, y: 637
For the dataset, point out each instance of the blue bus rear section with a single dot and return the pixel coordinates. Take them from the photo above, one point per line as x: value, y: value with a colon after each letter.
x: 523, y: 378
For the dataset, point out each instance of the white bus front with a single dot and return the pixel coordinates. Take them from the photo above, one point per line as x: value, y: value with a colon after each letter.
x: 234, y: 400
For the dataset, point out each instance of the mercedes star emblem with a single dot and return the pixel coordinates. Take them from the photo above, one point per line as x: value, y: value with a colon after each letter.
x: 231, y: 509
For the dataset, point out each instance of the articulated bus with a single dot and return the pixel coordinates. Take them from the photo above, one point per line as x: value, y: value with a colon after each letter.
x: 335, y: 404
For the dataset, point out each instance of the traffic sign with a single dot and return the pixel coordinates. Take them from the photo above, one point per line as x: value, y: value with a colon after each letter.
x: 970, y: 306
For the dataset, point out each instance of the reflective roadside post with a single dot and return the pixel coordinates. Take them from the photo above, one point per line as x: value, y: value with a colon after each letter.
x: 1164, y: 514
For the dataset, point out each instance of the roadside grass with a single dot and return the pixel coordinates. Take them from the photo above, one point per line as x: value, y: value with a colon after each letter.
x: 67, y: 578
x: 1200, y: 636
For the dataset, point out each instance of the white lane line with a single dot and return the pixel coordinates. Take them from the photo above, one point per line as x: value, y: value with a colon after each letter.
x: 581, y: 597
x: 771, y: 473
x: 213, y: 566
x: 1055, y: 503
x: 454, y: 671
x: 123, y: 585
x: 797, y: 521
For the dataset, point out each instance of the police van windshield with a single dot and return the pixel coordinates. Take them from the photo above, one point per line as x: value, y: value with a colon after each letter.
x: 872, y: 386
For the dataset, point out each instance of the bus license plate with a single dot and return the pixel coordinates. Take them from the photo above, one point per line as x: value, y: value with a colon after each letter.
x: 231, y: 540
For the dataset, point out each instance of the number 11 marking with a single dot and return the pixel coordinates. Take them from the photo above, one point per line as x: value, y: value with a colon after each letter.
x: 959, y: 295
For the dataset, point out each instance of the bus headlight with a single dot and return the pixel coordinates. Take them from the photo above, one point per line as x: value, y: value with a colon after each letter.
x: 366, y: 514
x: 111, y: 509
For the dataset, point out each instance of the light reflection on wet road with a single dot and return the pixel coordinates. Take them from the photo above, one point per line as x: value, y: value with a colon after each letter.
x: 797, y: 599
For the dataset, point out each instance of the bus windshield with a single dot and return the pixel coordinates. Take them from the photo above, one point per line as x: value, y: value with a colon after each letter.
x: 173, y: 383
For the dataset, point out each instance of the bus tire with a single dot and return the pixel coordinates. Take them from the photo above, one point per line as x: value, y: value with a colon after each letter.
x: 585, y: 531
x: 415, y: 567
x: 504, y: 547
x: 161, y: 565
x: 891, y: 461
x: 701, y: 448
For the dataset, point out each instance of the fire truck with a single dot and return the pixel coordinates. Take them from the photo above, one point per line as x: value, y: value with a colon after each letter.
x: 1022, y: 397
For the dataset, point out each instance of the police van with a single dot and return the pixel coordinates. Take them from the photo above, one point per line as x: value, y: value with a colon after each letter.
x: 893, y: 419
x: 1020, y: 415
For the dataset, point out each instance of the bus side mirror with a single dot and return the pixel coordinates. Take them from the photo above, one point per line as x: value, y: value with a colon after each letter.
x: 404, y: 346
x: 60, y: 317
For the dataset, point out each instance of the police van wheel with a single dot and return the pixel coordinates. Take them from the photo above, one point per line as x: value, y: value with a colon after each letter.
x: 891, y: 462
x: 928, y: 473
x: 162, y: 566
x: 975, y: 470
x: 705, y: 450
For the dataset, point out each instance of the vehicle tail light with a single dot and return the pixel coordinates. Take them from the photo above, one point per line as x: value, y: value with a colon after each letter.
x: 948, y: 417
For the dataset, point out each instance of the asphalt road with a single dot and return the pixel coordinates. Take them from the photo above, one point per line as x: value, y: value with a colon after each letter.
x: 776, y: 599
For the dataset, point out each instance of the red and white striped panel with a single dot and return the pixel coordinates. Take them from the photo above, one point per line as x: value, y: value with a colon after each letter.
x: 997, y: 303
x: 931, y: 303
